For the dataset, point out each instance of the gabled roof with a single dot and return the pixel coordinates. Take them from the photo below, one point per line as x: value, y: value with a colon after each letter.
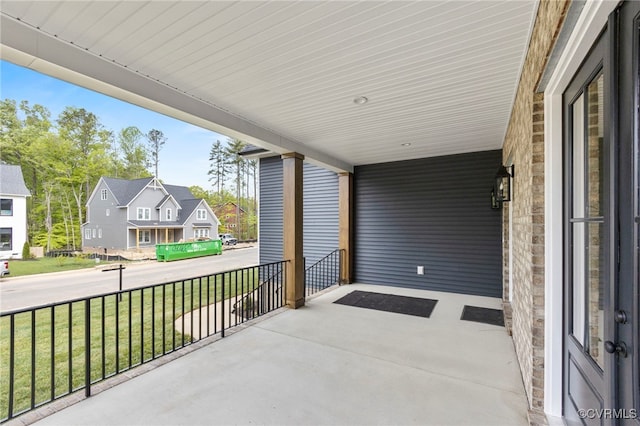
x: 125, y: 190
x: 165, y: 199
x: 189, y: 206
x: 12, y: 181
x: 179, y: 192
x: 220, y: 206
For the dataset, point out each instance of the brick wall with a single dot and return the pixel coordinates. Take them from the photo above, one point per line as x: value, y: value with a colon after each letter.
x: 524, y: 145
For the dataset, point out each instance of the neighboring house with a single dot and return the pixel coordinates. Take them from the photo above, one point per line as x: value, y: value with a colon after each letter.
x: 227, y: 213
x: 13, y: 211
x: 124, y: 214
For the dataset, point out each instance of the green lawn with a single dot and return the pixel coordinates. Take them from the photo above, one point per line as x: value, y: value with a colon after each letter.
x: 49, y: 348
x: 48, y: 264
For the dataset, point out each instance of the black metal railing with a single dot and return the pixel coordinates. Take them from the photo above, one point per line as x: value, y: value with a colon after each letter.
x: 323, y: 273
x: 260, y: 300
x: 50, y: 351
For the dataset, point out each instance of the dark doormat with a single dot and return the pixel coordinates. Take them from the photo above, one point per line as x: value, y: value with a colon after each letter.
x: 389, y: 303
x: 484, y: 315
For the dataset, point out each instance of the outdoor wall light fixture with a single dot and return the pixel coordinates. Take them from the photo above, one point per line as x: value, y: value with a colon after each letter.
x: 503, y: 184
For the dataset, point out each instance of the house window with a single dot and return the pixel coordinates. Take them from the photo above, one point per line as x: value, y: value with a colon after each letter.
x: 6, y: 207
x: 6, y: 239
x: 201, y: 214
x: 201, y: 233
x: 168, y: 214
x: 100, y: 233
x: 144, y: 213
x: 87, y: 234
x: 93, y: 233
x: 103, y: 194
x: 144, y: 237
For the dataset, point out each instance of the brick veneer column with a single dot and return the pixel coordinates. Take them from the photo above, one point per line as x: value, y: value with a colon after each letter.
x: 537, y: 251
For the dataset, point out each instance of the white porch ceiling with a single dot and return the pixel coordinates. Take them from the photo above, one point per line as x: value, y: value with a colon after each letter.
x: 439, y: 75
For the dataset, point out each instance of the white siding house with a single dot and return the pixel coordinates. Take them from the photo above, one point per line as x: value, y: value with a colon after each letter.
x: 13, y: 211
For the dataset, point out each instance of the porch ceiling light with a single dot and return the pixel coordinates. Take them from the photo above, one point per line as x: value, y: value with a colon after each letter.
x: 503, y: 183
x: 360, y: 100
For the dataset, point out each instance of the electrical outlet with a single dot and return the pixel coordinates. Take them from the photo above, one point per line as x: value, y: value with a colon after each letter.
x: 420, y: 270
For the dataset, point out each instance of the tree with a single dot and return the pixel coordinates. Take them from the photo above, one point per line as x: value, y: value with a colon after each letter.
x: 87, y: 159
x: 218, y: 157
x: 156, y: 141
x: 17, y: 136
x: 236, y: 161
x: 134, y: 155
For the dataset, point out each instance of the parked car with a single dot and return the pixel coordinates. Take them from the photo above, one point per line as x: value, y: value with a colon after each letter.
x: 228, y: 239
x: 4, y: 268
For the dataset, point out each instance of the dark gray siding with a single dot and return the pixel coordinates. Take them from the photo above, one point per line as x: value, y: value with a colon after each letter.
x: 432, y: 212
x: 320, y: 211
x: 270, y: 216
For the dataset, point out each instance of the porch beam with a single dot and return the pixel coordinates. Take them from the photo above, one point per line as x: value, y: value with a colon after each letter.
x: 345, y: 221
x: 292, y: 228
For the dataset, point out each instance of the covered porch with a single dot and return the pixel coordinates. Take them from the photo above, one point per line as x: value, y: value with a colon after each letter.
x: 327, y: 363
x: 147, y: 236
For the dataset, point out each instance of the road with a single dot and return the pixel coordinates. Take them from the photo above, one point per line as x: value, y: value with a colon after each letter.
x: 34, y: 290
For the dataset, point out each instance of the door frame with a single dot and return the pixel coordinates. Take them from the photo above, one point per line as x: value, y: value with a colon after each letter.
x: 593, y: 18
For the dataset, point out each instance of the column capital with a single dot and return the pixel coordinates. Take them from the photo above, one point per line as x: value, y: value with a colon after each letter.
x: 292, y: 155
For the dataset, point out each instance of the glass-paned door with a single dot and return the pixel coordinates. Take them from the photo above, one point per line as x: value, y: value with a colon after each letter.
x: 602, y: 229
x: 586, y: 251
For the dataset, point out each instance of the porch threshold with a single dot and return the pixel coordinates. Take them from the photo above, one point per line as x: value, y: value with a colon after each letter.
x: 331, y: 364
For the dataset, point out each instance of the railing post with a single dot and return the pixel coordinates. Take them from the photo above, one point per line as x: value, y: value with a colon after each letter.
x: 340, y: 260
x: 223, y: 301
x: 87, y: 347
x: 12, y: 360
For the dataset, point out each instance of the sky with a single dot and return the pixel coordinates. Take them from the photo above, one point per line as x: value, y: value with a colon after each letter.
x: 184, y: 158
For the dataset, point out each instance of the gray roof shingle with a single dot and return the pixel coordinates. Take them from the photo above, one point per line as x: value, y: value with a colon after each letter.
x: 125, y: 191
x: 12, y: 181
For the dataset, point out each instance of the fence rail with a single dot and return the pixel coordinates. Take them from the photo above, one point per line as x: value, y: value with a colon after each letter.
x: 323, y: 273
x: 50, y: 351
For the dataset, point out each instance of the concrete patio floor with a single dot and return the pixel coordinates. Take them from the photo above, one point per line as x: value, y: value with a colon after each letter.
x: 330, y: 364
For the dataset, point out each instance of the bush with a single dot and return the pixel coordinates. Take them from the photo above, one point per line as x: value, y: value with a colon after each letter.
x: 26, y: 251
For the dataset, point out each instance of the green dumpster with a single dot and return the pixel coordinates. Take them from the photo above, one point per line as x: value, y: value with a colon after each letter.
x: 176, y: 251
